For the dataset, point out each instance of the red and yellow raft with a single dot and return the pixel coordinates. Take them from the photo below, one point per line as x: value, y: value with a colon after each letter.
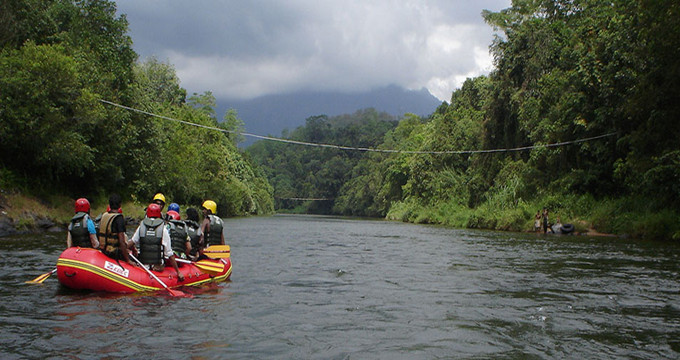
x: 82, y: 268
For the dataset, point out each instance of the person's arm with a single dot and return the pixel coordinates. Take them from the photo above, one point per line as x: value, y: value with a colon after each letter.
x: 205, y: 227
x: 172, y: 262
x: 131, y: 246
x: 222, y: 235
x: 93, y: 233
x: 123, y: 247
x: 94, y: 241
x: 188, y: 244
x: 69, y: 242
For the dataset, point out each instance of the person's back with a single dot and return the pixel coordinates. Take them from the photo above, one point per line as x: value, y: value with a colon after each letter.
x: 81, y: 230
x: 557, y: 227
x: 151, y: 241
x: 178, y: 234
x: 193, y: 231
x: 214, y: 234
x: 112, y: 231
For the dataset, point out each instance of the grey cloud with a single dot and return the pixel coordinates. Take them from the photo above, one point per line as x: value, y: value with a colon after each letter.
x: 243, y: 49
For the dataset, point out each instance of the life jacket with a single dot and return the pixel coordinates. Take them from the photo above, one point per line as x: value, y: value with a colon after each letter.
x: 192, y: 231
x: 178, y: 236
x: 151, y: 241
x: 97, y: 221
x: 107, y: 238
x: 78, y: 229
x: 214, y: 235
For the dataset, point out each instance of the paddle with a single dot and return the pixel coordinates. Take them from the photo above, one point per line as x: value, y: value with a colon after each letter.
x: 208, y: 267
x: 41, y: 278
x: 172, y: 292
x: 217, y: 251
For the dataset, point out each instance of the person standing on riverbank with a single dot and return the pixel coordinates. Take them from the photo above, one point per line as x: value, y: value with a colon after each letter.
x: 537, y: 221
x: 545, y: 221
x: 81, y: 230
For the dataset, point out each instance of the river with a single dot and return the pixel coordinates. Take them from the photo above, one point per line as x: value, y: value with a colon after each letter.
x: 312, y: 287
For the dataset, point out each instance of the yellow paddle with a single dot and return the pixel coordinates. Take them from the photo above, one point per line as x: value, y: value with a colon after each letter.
x: 208, y: 267
x: 41, y: 278
x: 218, y: 251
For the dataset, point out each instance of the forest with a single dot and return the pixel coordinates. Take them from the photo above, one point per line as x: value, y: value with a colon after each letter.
x: 579, y: 115
x: 59, y: 60
x: 600, y: 77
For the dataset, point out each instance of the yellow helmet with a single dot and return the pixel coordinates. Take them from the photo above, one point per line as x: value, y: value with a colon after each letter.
x: 160, y: 197
x: 210, y: 205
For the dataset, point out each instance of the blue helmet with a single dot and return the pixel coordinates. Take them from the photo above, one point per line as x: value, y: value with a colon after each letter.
x: 173, y: 206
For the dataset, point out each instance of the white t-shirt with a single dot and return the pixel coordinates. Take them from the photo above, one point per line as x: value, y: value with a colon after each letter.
x: 167, y: 245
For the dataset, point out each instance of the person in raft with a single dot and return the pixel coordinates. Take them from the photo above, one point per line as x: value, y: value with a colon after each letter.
x: 98, y: 219
x: 181, y: 243
x: 112, y: 231
x: 193, y: 231
x: 153, y: 241
x: 159, y: 199
x: 212, y: 227
x: 81, y: 230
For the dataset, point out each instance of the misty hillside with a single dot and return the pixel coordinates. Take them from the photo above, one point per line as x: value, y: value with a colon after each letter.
x: 269, y: 115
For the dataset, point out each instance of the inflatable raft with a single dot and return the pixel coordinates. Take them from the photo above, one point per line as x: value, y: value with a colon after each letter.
x: 82, y: 268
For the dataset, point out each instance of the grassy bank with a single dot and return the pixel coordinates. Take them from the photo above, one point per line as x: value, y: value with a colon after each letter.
x: 25, y: 211
x: 628, y: 216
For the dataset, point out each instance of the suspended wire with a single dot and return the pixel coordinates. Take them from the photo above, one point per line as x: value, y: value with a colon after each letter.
x: 352, y: 148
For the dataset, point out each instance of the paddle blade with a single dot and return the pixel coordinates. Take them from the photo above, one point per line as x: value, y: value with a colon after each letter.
x: 218, y: 251
x: 177, y: 293
x: 210, y: 267
x: 41, y: 278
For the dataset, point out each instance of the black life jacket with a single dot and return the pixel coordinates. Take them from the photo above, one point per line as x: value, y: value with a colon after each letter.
x: 151, y: 241
x: 97, y: 221
x: 78, y: 229
x: 192, y: 231
x: 178, y: 236
x: 107, y: 238
x: 214, y: 235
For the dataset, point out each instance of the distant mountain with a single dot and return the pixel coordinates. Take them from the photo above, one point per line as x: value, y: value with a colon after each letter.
x: 270, y: 114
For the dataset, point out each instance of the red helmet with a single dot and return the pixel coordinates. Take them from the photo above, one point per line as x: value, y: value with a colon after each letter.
x: 153, y: 211
x: 108, y: 209
x: 174, y: 214
x: 82, y: 205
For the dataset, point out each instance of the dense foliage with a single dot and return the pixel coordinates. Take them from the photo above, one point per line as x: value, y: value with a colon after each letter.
x: 59, y: 58
x: 300, y: 172
x: 565, y: 70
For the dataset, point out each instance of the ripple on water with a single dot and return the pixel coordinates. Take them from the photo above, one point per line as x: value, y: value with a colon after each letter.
x: 335, y: 288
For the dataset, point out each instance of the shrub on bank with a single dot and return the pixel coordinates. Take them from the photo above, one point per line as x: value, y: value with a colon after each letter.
x: 631, y: 216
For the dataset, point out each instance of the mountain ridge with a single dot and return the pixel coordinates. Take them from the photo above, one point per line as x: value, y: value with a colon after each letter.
x: 271, y: 114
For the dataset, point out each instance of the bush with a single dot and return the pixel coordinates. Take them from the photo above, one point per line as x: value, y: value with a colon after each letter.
x: 655, y: 226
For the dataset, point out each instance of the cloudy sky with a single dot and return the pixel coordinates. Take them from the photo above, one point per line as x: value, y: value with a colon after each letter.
x: 244, y: 49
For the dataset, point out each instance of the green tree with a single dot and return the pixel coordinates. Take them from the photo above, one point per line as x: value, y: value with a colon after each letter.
x: 47, y: 116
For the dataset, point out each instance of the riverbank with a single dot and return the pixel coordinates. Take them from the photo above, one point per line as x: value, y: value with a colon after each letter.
x: 627, y: 217
x: 22, y: 214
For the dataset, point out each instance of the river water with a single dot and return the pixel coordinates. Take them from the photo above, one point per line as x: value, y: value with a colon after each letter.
x: 309, y: 287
